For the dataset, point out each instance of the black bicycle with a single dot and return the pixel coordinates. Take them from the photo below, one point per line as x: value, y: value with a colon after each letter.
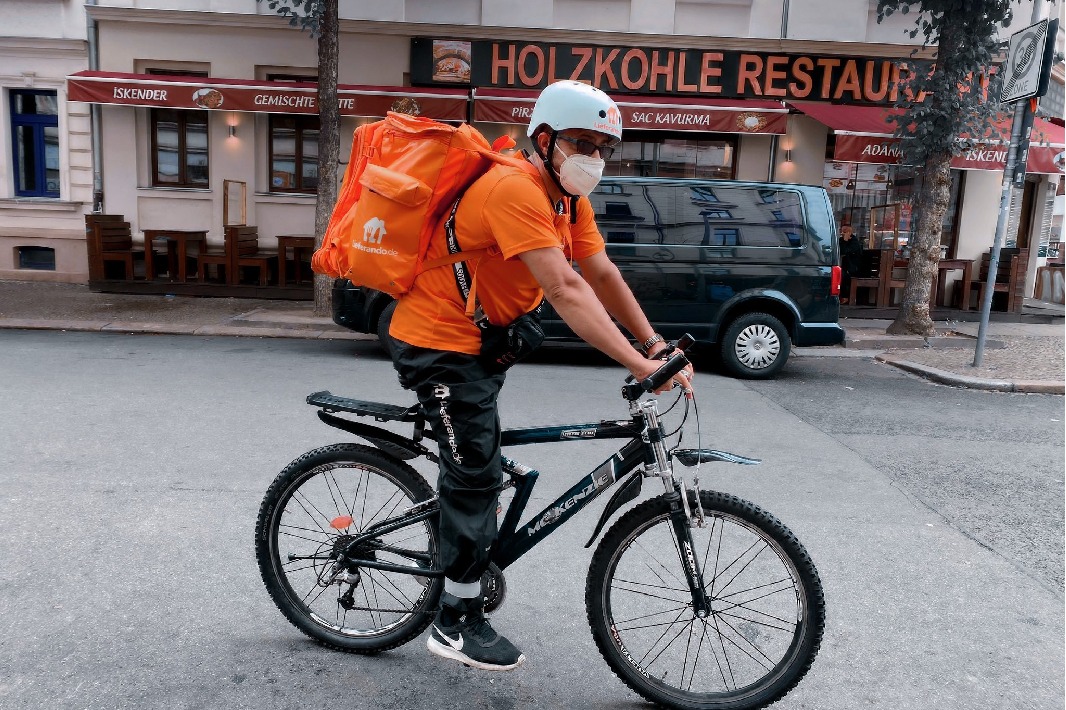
x: 696, y: 599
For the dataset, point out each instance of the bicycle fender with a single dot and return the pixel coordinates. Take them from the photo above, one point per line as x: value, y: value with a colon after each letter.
x: 691, y: 457
x: 628, y: 491
x: 392, y: 444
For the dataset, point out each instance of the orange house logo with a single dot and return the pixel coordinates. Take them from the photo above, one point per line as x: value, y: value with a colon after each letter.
x: 612, y: 123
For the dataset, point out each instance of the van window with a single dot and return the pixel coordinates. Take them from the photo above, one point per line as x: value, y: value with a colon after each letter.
x: 631, y: 213
x: 699, y: 215
x: 738, y: 216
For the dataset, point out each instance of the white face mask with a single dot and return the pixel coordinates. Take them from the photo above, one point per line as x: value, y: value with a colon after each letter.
x: 579, y: 174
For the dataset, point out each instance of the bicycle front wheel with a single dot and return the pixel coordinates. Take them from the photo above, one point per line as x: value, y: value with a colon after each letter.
x: 767, y: 607
x: 312, y: 512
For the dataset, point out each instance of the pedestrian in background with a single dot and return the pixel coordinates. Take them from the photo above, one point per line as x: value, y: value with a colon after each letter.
x: 850, y: 250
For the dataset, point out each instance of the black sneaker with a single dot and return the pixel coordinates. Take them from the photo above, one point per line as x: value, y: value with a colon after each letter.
x: 462, y: 633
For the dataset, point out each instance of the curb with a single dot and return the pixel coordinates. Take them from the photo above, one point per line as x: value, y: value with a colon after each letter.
x: 270, y: 331
x: 950, y: 378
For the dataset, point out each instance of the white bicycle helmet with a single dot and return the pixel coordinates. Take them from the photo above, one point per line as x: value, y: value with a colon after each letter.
x: 571, y: 104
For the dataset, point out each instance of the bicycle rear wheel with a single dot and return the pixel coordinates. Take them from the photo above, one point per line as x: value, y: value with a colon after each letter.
x: 311, y: 511
x: 767, y: 607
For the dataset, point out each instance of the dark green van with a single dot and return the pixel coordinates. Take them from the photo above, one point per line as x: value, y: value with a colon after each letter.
x: 748, y: 268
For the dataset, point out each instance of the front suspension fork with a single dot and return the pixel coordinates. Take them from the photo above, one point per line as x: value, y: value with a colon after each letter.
x: 681, y: 521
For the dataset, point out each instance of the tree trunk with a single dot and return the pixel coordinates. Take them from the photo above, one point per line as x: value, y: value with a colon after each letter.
x: 328, y: 140
x: 924, y: 245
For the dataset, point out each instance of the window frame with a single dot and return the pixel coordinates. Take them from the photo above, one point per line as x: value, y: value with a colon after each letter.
x: 298, y: 119
x: 183, y: 116
x: 38, y: 122
x: 183, y: 181
x: 297, y: 168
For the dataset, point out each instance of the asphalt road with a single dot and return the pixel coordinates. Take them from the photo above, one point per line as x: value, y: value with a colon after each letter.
x: 132, y: 469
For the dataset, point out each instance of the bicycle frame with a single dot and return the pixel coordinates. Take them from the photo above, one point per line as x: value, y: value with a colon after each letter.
x: 646, y: 448
x: 511, y: 542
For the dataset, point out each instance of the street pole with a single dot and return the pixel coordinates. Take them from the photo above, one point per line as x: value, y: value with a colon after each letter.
x: 1021, y: 108
x: 1021, y: 123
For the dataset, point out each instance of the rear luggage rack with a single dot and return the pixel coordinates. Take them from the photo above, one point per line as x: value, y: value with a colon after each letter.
x: 330, y: 402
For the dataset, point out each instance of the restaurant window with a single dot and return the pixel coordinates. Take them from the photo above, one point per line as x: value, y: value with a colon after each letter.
x: 179, y: 148
x: 293, y: 153
x: 293, y: 147
x: 652, y: 154
x: 878, y: 201
x: 35, y: 139
x: 179, y: 141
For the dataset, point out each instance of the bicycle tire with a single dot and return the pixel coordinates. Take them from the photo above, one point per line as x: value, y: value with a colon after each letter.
x: 320, y: 488
x: 622, y: 613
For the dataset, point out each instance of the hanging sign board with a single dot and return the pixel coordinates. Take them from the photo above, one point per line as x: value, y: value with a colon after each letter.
x: 1025, y: 62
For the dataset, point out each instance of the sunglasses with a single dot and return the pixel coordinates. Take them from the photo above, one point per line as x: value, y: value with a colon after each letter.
x: 588, y: 147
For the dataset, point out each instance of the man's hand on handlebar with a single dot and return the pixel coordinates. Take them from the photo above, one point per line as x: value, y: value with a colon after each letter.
x: 657, y: 358
x: 683, y: 378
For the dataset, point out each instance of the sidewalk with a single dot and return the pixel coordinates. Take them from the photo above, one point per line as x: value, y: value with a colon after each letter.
x: 1025, y: 356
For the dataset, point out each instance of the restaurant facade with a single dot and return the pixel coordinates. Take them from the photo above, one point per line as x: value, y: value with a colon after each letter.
x: 195, y: 102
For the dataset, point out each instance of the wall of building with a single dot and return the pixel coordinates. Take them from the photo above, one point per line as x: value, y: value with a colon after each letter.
x: 41, y: 44
x: 234, y: 52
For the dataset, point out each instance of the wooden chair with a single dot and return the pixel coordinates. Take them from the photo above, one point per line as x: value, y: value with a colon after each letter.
x: 875, y: 268
x: 895, y: 278
x: 219, y: 259
x: 109, y: 240
x: 241, y: 249
x: 1010, y: 278
x: 246, y: 240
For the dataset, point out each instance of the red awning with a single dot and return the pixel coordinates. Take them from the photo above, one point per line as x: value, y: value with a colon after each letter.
x: 669, y: 113
x: 865, y: 135
x: 260, y: 96
x: 850, y: 120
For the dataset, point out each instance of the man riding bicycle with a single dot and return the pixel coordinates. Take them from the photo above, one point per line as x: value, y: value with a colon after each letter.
x: 451, y: 343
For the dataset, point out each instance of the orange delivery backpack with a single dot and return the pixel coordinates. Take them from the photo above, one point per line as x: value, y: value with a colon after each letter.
x: 403, y: 176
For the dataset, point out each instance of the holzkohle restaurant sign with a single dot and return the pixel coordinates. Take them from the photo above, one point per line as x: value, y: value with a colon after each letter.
x: 711, y: 74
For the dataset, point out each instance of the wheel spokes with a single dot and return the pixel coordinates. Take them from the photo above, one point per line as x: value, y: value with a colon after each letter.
x: 373, y: 600
x: 753, y: 597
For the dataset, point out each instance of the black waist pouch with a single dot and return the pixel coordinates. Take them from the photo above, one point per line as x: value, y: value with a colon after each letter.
x: 504, y: 345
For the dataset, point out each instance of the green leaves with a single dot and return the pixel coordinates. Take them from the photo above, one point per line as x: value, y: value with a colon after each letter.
x: 305, y: 14
x: 958, y: 96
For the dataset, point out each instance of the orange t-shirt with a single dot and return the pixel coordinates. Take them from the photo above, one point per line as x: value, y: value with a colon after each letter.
x: 509, y: 211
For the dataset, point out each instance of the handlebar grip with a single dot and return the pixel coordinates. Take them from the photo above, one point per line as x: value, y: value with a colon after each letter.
x: 673, y: 365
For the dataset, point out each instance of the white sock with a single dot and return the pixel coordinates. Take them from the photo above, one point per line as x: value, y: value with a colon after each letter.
x: 468, y: 590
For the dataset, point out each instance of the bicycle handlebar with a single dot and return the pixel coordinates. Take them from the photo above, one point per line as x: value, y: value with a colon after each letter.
x: 674, y: 363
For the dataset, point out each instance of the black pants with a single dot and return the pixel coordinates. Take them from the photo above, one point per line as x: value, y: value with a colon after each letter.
x: 459, y: 397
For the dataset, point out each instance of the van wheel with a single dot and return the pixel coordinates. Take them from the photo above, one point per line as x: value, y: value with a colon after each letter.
x: 755, y: 346
x: 384, y: 339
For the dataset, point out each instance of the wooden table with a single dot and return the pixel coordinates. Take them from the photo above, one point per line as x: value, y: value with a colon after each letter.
x: 178, y: 241
x: 937, y: 288
x: 946, y: 265
x: 298, y: 243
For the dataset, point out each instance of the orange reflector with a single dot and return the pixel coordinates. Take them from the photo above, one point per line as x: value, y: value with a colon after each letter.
x: 341, y: 522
